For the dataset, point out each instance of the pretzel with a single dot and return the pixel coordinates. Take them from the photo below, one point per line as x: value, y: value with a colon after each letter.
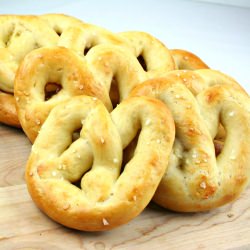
x: 79, y: 183
x: 18, y: 36
x: 113, y: 68
x: 198, y: 178
x: 57, y: 70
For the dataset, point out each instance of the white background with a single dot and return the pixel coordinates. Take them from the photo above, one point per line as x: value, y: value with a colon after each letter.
x: 218, y: 33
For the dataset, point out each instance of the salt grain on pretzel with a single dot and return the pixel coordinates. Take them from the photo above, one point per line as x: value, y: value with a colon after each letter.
x: 92, y: 193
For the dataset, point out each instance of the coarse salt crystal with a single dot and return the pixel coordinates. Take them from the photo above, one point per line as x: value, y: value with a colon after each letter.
x: 203, y: 185
x: 105, y: 222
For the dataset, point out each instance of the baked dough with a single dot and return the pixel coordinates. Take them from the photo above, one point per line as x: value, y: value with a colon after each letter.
x: 79, y: 183
x: 198, y: 178
x: 47, y: 68
x: 186, y: 60
x: 18, y: 36
x: 108, y: 72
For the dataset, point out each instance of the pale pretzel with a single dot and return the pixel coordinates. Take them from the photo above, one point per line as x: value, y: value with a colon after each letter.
x: 105, y: 197
x: 197, y: 179
x: 18, y: 36
x: 113, y: 68
x: 186, y: 60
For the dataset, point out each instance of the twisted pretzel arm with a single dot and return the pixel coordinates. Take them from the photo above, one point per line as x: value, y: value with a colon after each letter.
x: 196, y: 179
x: 105, y: 198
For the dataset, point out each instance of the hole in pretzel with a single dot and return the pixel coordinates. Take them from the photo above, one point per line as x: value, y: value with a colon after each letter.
x: 76, y: 134
x: 114, y: 92
x: 58, y: 31
x: 142, y: 61
x: 129, y: 151
x: 218, y: 146
x: 88, y: 46
x: 86, y: 50
x: 51, y: 89
x: 219, y: 140
x: 77, y: 183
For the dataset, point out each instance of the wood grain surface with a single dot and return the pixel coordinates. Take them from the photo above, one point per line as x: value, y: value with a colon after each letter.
x: 23, y: 226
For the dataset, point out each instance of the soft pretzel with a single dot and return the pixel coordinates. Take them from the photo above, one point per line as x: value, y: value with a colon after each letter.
x: 186, y: 60
x: 18, y: 36
x: 79, y: 183
x: 198, y: 178
x: 113, y: 68
x: 83, y: 38
x: 153, y: 55
x: 57, y: 70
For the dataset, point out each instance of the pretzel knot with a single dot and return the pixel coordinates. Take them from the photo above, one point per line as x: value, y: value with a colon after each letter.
x: 198, y: 178
x: 80, y: 182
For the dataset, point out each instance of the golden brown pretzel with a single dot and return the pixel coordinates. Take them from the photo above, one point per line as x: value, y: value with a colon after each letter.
x: 197, y: 179
x: 50, y: 68
x: 18, y: 36
x: 104, y: 197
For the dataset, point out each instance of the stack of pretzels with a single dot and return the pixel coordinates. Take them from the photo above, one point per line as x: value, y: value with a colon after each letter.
x: 119, y: 119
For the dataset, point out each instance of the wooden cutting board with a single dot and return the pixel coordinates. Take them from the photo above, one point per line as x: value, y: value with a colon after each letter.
x: 23, y: 226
